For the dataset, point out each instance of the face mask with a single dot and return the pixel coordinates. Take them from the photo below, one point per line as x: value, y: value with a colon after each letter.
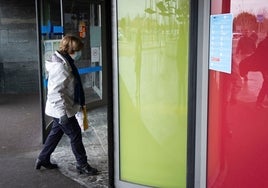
x: 76, y: 55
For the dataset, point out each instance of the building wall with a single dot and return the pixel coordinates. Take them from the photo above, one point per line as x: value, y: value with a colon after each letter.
x: 18, y: 47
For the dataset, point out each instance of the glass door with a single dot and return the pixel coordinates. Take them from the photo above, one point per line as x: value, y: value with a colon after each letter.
x: 84, y: 19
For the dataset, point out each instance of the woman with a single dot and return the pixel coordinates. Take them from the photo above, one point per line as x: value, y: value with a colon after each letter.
x: 65, y: 96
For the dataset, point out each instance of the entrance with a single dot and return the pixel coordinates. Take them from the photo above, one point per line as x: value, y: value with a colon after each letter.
x: 85, y: 19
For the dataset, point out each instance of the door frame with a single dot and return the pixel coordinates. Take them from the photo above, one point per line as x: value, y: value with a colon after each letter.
x: 46, y: 124
x: 195, y: 139
x: 202, y: 94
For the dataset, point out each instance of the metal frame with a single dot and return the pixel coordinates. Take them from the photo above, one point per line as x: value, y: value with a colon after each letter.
x: 202, y: 94
x: 192, y: 95
x: 39, y: 55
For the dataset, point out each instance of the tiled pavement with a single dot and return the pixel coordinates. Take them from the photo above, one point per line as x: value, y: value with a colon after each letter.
x: 95, y: 142
x: 20, y: 143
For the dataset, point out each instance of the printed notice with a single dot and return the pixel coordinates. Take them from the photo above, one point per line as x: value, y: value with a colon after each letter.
x: 221, y: 31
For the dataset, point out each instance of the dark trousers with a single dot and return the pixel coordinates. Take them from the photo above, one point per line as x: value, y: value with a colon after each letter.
x: 73, y: 131
x: 264, y: 89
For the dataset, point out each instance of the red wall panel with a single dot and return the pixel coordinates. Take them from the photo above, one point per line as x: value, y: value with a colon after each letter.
x: 237, y: 123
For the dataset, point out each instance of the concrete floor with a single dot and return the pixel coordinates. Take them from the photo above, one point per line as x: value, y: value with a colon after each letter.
x: 21, y: 142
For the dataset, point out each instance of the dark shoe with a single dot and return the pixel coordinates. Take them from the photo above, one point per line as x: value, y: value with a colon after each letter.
x: 47, y: 165
x: 87, y: 169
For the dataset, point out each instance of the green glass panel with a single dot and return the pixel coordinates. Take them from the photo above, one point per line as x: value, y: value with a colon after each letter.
x: 153, y: 89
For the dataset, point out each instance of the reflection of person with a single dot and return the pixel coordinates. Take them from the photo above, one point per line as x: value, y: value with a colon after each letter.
x: 254, y: 37
x: 65, y: 96
x: 246, y: 46
x: 257, y: 62
x: 262, y: 52
x: 263, y: 91
x: 235, y: 82
x: 138, y: 59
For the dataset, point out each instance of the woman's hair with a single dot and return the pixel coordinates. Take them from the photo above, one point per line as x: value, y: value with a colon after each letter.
x: 70, y: 44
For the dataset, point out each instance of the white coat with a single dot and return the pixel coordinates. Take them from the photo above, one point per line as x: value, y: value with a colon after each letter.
x: 60, y: 88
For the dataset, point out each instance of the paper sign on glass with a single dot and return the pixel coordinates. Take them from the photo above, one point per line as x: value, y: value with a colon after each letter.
x: 221, y: 30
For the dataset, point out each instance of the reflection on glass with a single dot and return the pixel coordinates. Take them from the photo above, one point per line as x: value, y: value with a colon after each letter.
x: 153, y: 86
x: 83, y: 19
x: 238, y: 103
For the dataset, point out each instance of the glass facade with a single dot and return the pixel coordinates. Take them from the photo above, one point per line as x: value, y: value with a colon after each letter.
x: 237, y: 137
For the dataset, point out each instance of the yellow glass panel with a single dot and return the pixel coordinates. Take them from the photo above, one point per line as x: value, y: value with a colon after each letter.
x: 153, y: 89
